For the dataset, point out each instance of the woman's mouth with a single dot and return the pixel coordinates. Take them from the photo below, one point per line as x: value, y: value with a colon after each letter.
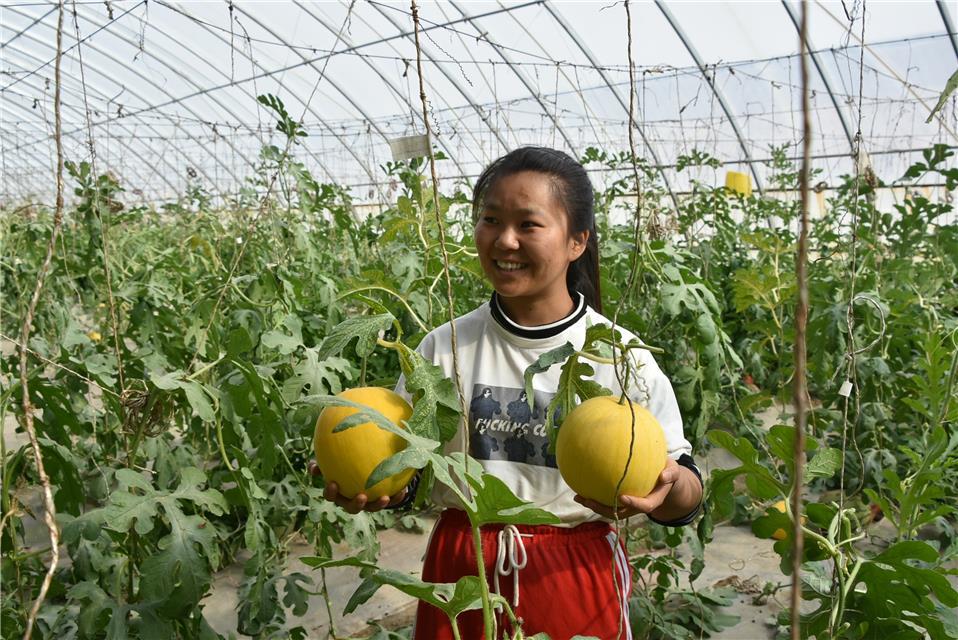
x: 505, y: 265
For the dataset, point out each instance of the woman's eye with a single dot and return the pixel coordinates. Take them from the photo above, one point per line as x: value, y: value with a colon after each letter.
x: 488, y: 219
x: 529, y: 225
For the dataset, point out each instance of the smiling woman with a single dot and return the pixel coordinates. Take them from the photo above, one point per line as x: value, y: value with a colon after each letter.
x: 538, y: 201
x: 525, y: 247
x: 536, y: 241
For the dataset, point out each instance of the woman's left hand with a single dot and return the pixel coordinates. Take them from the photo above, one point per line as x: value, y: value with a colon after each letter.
x: 633, y: 505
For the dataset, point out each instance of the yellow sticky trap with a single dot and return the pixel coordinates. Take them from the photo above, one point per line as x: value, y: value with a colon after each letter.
x: 738, y: 182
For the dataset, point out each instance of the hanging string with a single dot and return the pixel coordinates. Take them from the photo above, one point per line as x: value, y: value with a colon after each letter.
x: 441, y: 225
x: 800, y: 389
x: 621, y: 362
x: 114, y: 325
x: 50, y: 514
x: 850, y: 386
x: 488, y: 622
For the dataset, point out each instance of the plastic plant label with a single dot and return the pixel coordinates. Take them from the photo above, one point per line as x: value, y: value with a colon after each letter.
x: 846, y: 389
x: 407, y: 147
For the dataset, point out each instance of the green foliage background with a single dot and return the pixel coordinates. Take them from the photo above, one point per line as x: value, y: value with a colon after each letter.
x: 198, y: 459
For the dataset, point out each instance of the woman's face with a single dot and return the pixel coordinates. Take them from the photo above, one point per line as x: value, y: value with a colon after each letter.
x: 523, y: 238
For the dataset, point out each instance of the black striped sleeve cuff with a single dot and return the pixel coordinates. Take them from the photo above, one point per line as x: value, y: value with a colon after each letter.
x: 686, y: 461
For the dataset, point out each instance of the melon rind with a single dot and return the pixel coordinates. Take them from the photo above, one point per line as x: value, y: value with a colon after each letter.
x: 349, y: 457
x: 593, y: 446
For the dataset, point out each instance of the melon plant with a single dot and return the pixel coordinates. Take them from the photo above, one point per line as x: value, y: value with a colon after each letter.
x: 592, y: 450
x: 348, y: 457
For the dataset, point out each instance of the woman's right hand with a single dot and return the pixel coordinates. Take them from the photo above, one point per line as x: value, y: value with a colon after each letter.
x: 359, y: 502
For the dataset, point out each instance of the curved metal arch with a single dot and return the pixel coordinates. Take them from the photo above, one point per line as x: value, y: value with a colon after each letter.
x: 949, y: 29
x: 326, y: 78
x: 329, y: 174
x: 417, y: 113
x: 519, y: 74
x: 3, y: 45
x: 99, y: 94
x: 80, y: 113
x: 430, y: 85
x: 389, y: 83
x: 592, y: 60
x: 47, y: 163
x: 904, y: 83
x: 719, y: 95
x: 491, y: 87
x: 39, y: 161
x: 821, y: 74
x: 129, y: 68
x: 158, y: 87
x: 452, y: 79
x: 590, y: 113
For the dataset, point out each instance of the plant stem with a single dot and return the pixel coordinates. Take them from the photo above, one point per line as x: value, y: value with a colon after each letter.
x: 455, y: 628
x: 204, y: 369
x: 329, y: 610
x: 222, y: 445
x: 398, y: 297
x: 487, y: 621
x: 594, y: 358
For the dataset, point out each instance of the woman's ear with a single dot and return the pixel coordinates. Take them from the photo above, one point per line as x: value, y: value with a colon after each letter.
x: 578, y: 244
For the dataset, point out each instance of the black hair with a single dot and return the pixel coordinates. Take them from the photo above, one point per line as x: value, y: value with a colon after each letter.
x: 573, y: 189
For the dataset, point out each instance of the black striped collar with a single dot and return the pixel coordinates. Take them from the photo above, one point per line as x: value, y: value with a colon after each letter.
x: 542, y: 331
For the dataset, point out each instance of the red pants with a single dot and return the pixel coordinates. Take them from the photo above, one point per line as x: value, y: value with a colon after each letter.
x: 575, y: 581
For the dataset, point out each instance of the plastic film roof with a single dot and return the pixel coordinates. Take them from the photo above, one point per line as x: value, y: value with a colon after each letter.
x: 163, y: 94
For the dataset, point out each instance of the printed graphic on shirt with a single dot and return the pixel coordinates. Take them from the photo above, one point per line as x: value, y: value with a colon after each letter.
x: 503, y: 427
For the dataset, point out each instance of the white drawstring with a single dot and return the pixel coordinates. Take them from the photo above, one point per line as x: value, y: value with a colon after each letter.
x: 510, y: 558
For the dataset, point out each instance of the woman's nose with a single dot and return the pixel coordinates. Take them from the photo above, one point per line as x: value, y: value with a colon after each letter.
x: 507, y: 239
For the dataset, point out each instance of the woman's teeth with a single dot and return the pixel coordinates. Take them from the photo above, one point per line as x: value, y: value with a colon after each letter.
x: 510, y: 266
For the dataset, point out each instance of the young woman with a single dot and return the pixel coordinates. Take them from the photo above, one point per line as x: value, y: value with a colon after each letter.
x: 536, y: 240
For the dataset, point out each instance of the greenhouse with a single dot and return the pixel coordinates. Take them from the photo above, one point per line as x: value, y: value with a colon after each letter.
x: 532, y: 319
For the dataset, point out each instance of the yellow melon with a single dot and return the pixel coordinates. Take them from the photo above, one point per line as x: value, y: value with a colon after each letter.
x: 593, y: 447
x: 349, y: 457
x: 779, y: 534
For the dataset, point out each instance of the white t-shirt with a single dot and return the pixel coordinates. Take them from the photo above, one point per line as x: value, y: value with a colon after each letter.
x: 506, y: 437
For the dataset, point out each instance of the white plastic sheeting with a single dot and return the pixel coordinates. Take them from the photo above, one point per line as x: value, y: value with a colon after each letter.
x: 167, y: 91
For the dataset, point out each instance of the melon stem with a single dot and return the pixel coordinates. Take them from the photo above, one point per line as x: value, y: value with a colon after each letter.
x: 594, y: 358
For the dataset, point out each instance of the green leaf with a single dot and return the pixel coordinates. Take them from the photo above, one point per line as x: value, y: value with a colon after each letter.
x: 436, y: 409
x: 198, y: 396
x: 97, y: 603
x: 949, y: 89
x: 825, y: 464
x: 286, y: 343
x: 496, y: 504
x: 451, y: 598
x: 177, y: 575
x: 758, y: 478
x: 61, y: 466
x: 238, y: 342
x: 366, y: 590
x: 366, y: 414
x: 408, y: 458
x: 365, y: 329
x: 313, y: 375
x: 323, y: 562
x: 296, y: 596
x: 542, y: 364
